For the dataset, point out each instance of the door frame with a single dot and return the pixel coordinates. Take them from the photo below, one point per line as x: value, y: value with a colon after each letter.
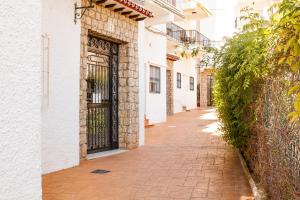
x: 110, y: 49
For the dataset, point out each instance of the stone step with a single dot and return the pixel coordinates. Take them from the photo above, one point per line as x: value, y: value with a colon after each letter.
x: 147, y: 123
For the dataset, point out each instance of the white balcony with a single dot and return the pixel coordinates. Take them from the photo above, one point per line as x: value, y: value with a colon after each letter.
x: 163, y: 10
x: 193, y: 10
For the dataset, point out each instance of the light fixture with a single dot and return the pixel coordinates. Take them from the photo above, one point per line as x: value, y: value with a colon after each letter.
x: 79, y: 14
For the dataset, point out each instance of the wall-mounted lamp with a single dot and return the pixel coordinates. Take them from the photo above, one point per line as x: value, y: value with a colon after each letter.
x: 79, y: 14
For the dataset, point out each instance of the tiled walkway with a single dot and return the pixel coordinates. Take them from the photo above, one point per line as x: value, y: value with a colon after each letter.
x: 184, y: 158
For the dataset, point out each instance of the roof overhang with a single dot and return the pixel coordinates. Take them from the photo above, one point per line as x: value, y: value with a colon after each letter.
x: 171, y: 8
x: 126, y: 8
x: 194, y: 10
x: 172, y: 57
x: 163, y: 10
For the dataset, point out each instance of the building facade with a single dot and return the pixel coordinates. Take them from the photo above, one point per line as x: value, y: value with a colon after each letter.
x: 90, y: 80
x: 170, y: 63
x: 81, y: 76
x: 76, y: 80
x: 109, y: 80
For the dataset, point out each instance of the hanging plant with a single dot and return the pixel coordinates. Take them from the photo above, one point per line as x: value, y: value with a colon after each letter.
x: 187, y: 50
x: 195, y: 52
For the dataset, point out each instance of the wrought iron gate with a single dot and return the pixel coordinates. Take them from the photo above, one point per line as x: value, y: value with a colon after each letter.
x: 198, y: 95
x: 102, y: 95
x: 210, y: 82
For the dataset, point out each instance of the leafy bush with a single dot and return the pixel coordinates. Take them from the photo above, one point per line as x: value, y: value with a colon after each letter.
x: 262, y: 49
x: 241, y: 68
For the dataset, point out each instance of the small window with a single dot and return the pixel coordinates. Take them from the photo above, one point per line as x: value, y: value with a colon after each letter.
x: 178, y: 80
x: 192, y: 83
x: 154, y: 79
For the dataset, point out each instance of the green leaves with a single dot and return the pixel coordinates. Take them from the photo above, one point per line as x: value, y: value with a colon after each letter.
x: 241, y: 66
x: 288, y: 46
x: 262, y: 49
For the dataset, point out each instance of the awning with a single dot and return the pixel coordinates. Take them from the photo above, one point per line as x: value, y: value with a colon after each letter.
x: 172, y: 57
x: 126, y: 8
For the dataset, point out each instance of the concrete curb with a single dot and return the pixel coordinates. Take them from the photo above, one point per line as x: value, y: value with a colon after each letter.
x: 259, y: 192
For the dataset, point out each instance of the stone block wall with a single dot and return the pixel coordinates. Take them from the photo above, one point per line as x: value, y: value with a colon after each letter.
x: 170, y: 89
x: 202, y: 80
x: 109, y: 25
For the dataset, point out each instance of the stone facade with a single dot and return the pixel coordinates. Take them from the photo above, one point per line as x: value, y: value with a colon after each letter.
x: 202, y: 82
x: 170, y: 90
x: 109, y: 25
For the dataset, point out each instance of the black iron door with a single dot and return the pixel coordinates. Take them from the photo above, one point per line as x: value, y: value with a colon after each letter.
x: 102, y: 95
x: 198, y: 94
x: 210, y: 82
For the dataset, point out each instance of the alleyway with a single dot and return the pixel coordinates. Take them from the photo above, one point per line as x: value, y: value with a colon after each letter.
x: 184, y: 158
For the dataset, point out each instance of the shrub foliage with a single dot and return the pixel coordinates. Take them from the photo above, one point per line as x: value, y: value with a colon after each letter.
x: 263, y: 49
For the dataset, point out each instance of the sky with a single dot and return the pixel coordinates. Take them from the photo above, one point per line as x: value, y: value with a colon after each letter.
x: 222, y: 21
x: 224, y: 13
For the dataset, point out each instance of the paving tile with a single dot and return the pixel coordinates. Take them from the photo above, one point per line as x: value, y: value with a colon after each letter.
x: 180, y: 192
x: 181, y: 163
x: 200, y: 192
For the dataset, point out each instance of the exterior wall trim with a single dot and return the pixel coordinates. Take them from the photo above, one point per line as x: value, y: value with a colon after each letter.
x: 169, y: 7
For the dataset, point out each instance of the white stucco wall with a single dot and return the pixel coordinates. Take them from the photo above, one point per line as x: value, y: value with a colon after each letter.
x: 155, y: 54
x: 20, y: 41
x: 184, y: 96
x: 60, y: 130
x: 141, y: 54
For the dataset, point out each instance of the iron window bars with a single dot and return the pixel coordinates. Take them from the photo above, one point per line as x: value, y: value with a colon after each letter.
x: 192, y: 83
x: 178, y: 80
x: 154, y: 79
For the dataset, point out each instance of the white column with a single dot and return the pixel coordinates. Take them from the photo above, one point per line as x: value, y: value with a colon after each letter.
x: 142, y: 71
x: 20, y: 99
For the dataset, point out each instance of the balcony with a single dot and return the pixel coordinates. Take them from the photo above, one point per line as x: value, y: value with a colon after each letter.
x: 164, y: 11
x: 172, y: 2
x: 194, y: 10
x: 174, y: 31
x: 186, y: 36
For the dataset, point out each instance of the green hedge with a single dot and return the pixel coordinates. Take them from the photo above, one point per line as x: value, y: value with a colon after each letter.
x: 262, y: 49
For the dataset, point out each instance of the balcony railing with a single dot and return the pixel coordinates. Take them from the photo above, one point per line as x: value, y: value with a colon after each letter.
x: 174, y: 31
x: 186, y: 36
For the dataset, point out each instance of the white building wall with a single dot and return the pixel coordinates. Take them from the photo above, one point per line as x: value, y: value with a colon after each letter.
x: 155, y: 54
x: 187, y: 25
x: 141, y: 54
x: 184, y: 96
x: 60, y: 118
x: 20, y: 100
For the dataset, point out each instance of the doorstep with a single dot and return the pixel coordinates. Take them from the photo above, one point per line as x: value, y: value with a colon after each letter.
x: 105, y: 154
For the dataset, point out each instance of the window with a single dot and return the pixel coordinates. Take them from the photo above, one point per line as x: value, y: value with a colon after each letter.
x: 178, y: 80
x: 192, y: 83
x: 154, y: 79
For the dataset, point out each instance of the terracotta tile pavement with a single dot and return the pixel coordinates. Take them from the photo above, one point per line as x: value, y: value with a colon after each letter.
x: 184, y: 158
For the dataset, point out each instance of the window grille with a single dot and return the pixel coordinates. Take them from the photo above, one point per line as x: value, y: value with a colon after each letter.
x: 154, y: 79
x: 178, y: 80
x: 192, y: 83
